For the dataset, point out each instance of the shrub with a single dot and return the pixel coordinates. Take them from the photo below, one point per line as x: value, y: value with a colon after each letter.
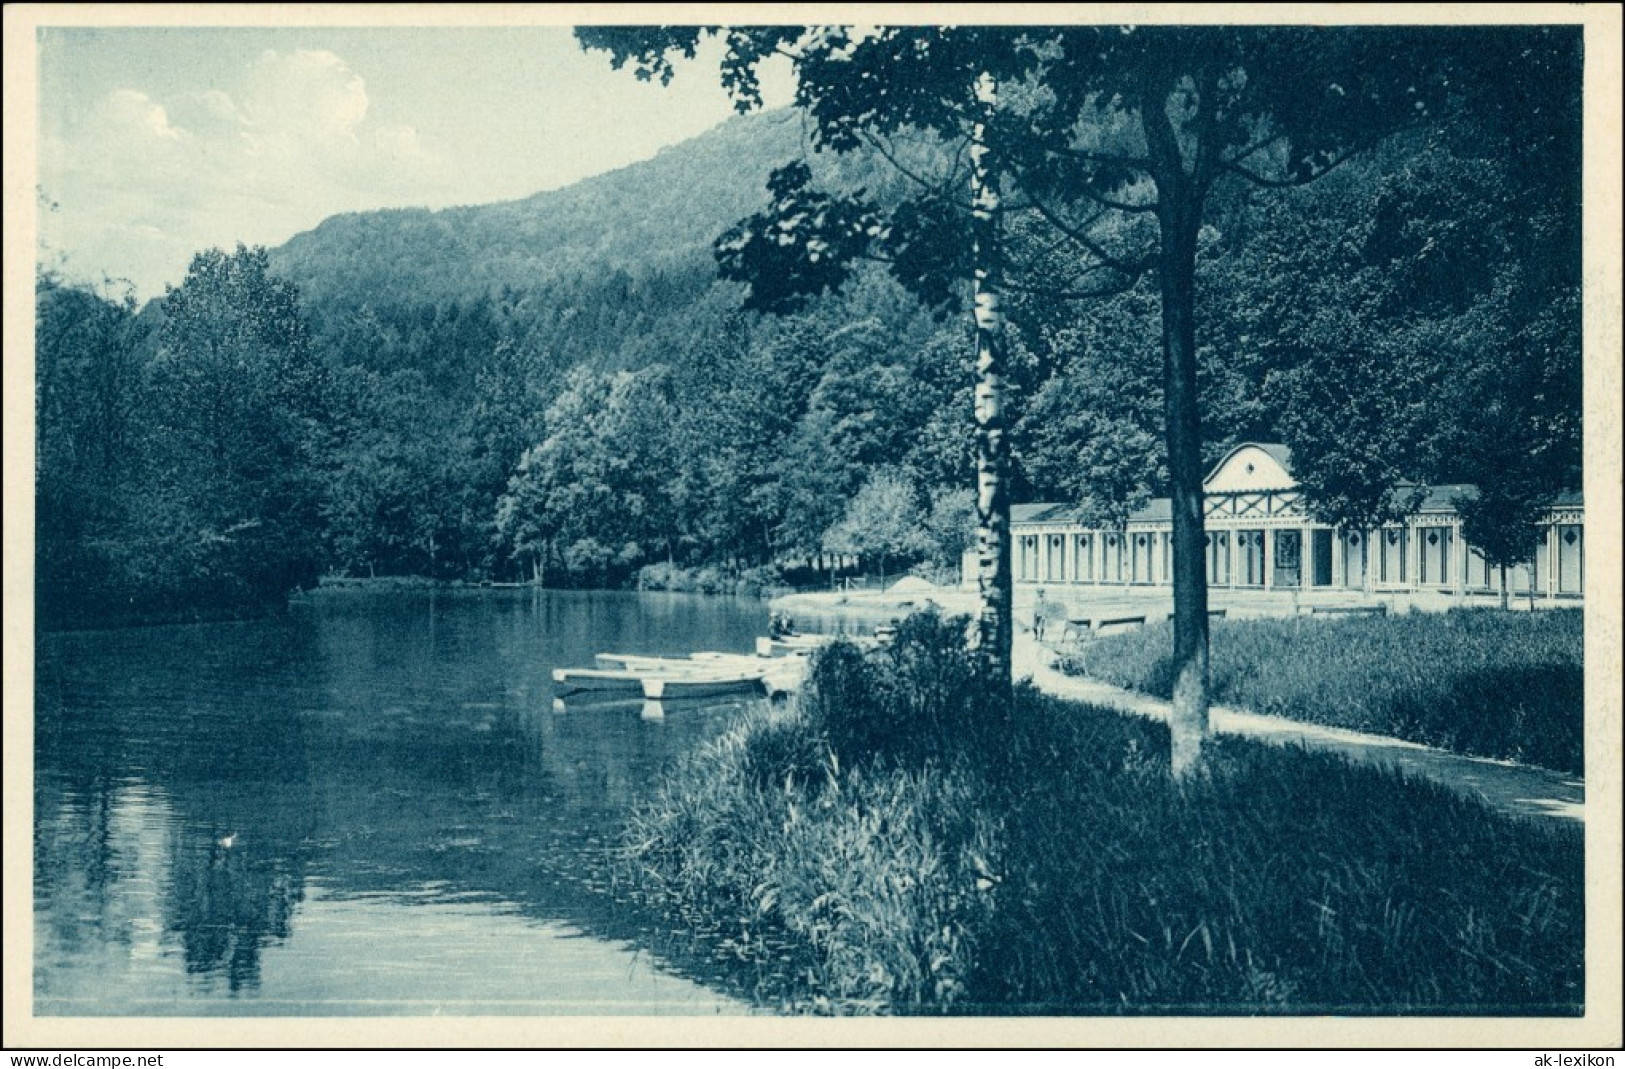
x: 922, y: 696
x: 1482, y: 681
x: 759, y: 580
x: 1044, y: 862
x: 861, y: 885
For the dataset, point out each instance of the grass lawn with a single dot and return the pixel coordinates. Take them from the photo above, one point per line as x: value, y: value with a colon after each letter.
x: 1480, y: 681
x: 893, y: 843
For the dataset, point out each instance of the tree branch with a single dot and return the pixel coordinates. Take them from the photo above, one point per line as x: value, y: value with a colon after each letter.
x: 935, y: 189
x: 1206, y: 167
x: 1289, y: 183
x: 1093, y: 247
x: 1122, y: 286
x: 1139, y: 163
x: 1256, y: 146
x: 1116, y: 205
x: 1169, y: 166
x: 1127, y: 277
x: 954, y: 181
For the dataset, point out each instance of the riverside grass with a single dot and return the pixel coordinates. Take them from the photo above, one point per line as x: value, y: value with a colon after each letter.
x: 891, y: 844
x: 1483, y: 682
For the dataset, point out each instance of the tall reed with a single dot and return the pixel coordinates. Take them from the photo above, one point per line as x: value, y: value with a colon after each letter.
x: 1482, y: 682
x: 893, y: 844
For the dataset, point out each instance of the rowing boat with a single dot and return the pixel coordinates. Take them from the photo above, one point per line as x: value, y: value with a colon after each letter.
x: 598, y: 680
x: 703, y: 662
x: 785, y: 645
x: 700, y: 685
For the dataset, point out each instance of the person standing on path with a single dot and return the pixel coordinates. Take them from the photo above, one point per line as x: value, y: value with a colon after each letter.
x: 1040, y: 610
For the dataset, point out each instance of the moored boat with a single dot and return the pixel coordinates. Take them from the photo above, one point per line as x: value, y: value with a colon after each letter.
x: 711, y: 658
x: 703, y: 661
x: 606, y: 680
x: 713, y: 685
x: 785, y: 677
x: 785, y: 645
x: 633, y: 662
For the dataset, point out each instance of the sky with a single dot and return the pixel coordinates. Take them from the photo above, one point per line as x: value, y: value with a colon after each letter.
x: 158, y: 142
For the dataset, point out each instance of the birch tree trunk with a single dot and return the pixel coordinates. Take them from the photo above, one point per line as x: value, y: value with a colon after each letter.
x: 995, y: 587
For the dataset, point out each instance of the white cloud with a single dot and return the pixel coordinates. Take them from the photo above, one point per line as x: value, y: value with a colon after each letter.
x: 144, y: 183
x: 220, y: 104
x: 133, y: 110
x: 398, y: 142
x: 308, y: 98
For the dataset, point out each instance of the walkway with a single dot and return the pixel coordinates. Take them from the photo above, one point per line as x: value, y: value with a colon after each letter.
x: 1519, y: 790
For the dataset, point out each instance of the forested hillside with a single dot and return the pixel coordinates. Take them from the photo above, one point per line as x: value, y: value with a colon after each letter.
x: 562, y: 388
x: 591, y: 273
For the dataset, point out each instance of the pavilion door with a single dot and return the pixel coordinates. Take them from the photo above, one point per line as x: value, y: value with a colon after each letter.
x: 1321, y: 557
x: 1395, y: 545
x: 1249, y: 558
x: 1570, y: 559
x: 1141, y: 557
x: 1055, y: 560
x: 1111, y: 564
x: 1027, y: 565
x: 1218, y: 558
x: 1354, y: 546
x: 1288, y: 558
x: 1437, y: 555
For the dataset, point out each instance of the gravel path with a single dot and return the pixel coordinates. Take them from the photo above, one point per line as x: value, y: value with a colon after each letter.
x: 1519, y: 790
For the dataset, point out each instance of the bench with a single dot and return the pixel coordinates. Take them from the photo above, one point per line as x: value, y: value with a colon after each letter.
x: 1089, y: 625
x: 1083, y: 626
x: 1348, y: 610
x: 1212, y: 614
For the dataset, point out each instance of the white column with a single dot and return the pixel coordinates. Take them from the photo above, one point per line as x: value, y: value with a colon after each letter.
x: 1553, y: 548
x: 1458, y: 551
x: 1413, y: 573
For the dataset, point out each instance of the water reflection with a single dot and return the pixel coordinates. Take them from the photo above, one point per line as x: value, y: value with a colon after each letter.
x: 244, y: 817
x: 225, y: 904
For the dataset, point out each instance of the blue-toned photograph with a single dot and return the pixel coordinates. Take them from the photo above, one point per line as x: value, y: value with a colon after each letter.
x: 1066, y: 521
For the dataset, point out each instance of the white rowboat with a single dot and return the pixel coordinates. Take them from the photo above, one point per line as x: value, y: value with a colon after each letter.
x: 785, y: 645
x: 661, y: 687
x: 604, y: 680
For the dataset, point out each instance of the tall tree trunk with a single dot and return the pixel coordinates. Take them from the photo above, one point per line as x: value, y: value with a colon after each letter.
x: 995, y: 587
x: 1506, y: 602
x: 1180, y: 193
x: 1189, y: 721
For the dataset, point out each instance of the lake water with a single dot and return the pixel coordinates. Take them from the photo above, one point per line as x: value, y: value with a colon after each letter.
x: 369, y: 806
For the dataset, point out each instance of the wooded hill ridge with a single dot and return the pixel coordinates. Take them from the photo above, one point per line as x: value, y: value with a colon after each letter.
x: 561, y: 387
